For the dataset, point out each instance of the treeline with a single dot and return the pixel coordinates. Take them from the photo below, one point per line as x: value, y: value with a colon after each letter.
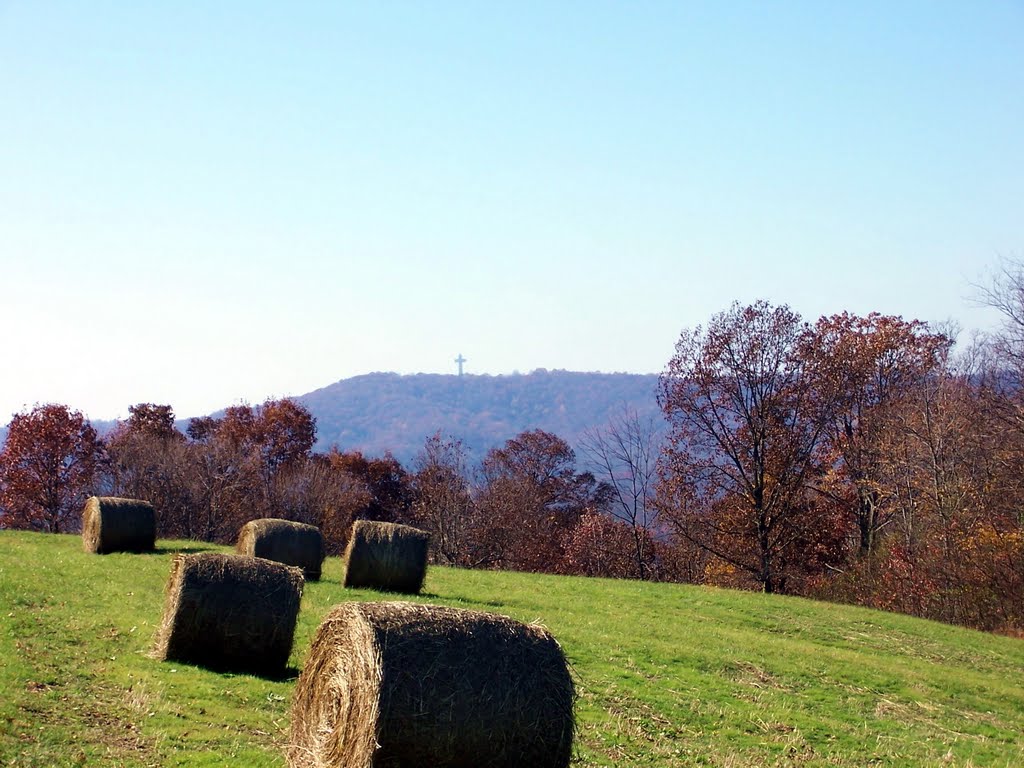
x: 525, y: 507
x: 205, y: 483
x: 856, y: 459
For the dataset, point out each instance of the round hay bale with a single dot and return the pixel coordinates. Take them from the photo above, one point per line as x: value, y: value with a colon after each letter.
x: 400, y: 685
x: 386, y: 556
x: 284, y: 541
x: 110, y: 524
x: 230, y: 613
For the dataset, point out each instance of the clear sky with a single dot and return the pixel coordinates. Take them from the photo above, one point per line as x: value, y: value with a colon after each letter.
x: 205, y: 203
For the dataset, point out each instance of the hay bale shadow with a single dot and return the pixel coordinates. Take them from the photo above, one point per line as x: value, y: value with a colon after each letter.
x: 180, y: 550
x: 472, y: 601
x: 285, y: 675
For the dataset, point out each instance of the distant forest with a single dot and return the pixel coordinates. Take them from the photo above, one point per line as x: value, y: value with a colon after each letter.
x: 388, y: 412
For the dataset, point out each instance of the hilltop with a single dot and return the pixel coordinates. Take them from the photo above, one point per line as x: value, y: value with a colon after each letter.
x: 387, y: 411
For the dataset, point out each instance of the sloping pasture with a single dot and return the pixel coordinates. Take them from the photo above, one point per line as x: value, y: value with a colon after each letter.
x: 667, y: 675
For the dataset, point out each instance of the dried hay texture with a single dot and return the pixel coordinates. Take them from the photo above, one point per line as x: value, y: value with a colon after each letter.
x: 230, y: 613
x: 284, y: 541
x: 403, y: 685
x: 386, y: 556
x: 110, y: 524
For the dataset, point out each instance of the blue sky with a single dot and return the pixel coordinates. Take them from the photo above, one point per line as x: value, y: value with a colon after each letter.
x: 207, y: 203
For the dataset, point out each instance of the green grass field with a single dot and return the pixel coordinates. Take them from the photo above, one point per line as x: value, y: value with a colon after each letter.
x: 667, y: 675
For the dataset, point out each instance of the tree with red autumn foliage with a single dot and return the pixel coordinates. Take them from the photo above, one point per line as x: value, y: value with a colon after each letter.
x: 603, y: 545
x: 317, y: 491
x: 48, y: 466
x: 149, y: 459
x: 863, y: 368
x: 531, y: 499
x: 956, y: 548
x: 744, y: 428
x: 153, y: 420
x: 274, y: 433
x: 270, y: 438
x: 389, y: 484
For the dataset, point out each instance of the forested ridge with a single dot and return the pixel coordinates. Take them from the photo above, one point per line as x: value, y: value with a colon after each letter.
x: 390, y: 412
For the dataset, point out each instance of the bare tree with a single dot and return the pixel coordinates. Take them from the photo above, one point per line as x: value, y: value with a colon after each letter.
x: 443, y: 504
x: 1003, y: 351
x: 625, y: 454
x: 530, y: 499
x: 1004, y: 292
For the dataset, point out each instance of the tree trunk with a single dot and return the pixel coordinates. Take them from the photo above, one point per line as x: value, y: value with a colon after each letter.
x: 867, y: 521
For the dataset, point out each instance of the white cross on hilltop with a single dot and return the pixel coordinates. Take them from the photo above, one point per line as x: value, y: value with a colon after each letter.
x: 460, y: 360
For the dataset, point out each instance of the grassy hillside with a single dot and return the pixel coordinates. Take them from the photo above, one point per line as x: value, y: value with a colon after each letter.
x: 667, y: 675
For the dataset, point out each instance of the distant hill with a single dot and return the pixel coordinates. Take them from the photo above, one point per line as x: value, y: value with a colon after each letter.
x: 382, y: 412
x: 388, y: 411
